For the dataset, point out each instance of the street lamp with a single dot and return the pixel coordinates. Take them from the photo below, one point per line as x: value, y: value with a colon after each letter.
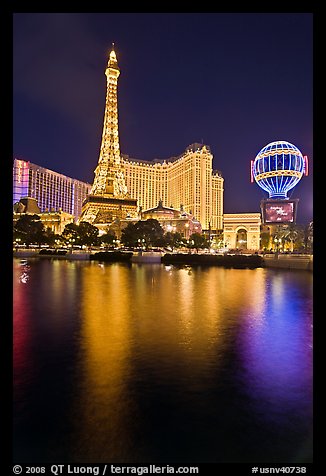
x: 72, y: 241
x: 187, y: 230
x: 17, y: 241
x: 277, y: 242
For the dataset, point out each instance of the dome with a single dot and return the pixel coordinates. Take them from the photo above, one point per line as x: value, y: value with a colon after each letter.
x: 278, y: 167
x: 160, y: 211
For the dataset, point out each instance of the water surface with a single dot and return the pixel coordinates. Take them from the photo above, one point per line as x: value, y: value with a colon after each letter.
x: 159, y: 364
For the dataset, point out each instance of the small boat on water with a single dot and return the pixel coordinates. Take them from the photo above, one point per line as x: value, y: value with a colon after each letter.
x: 147, y: 257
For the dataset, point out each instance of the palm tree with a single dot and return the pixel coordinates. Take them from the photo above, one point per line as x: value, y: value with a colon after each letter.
x: 291, y: 234
x: 309, y: 237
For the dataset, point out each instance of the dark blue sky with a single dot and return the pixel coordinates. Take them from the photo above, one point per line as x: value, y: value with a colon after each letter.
x: 235, y: 81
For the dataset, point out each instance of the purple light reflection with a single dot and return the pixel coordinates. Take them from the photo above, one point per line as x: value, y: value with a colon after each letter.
x: 275, y: 347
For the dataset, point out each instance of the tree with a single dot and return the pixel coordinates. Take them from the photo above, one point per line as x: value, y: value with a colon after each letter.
x: 70, y: 234
x: 29, y: 229
x: 300, y: 241
x: 146, y: 233
x: 108, y: 238
x: 265, y: 239
x: 309, y: 237
x: 88, y: 234
x: 150, y: 232
x: 197, y: 241
x: 218, y: 241
x: 174, y: 240
x: 129, y: 235
x: 291, y: 235
x: 50, y: 237
x: 296, y: 235
x: 83, y: 234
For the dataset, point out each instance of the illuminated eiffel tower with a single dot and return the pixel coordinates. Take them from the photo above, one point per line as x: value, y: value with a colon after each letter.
x: 109, y: 200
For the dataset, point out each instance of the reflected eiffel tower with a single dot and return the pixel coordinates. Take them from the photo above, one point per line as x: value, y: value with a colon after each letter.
x: 109, y: 199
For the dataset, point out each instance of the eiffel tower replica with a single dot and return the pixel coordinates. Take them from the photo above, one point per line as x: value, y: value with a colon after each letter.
x: 109, y: 200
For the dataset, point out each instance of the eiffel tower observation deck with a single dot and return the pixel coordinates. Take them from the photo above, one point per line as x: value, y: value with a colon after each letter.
x: 109, y: 199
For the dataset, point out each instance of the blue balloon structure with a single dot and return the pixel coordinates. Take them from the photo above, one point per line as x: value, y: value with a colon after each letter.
x: 278, y: 167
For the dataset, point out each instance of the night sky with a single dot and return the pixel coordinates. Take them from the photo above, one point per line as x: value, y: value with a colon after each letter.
x: 234, y: 81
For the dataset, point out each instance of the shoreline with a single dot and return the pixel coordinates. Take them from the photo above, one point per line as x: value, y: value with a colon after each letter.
x: 276, y: 261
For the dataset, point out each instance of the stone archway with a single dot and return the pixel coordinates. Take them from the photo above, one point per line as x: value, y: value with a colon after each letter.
x: 241, y: 239
x: 242, y: 230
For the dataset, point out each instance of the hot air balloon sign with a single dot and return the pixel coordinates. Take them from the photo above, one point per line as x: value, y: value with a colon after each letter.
x: 277, y: 169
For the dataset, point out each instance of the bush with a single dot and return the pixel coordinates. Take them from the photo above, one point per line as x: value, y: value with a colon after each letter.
x: 47, y: 252
x: 112, y: 256
x: 53, y: 252
x: 228, y: 261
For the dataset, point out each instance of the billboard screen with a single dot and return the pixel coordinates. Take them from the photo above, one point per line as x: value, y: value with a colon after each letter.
x: 279, y: 211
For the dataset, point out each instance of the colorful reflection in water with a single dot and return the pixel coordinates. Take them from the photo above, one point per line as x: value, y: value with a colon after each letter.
x: 147, y: 363
x: 274, y: 335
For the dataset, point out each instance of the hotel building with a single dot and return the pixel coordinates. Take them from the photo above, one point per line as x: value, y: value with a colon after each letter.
x: 52, y: 191
x: 55, y: 220
x: 188, y: 181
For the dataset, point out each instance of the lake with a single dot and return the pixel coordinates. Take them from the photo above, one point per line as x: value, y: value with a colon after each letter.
x: 147, y: 363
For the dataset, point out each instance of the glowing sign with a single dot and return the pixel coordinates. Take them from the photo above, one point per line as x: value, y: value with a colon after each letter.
x: 278, y: 167
x: 306, y: 166
x: 279, y: 211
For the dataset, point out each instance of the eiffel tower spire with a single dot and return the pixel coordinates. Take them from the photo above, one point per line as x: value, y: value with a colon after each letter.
x: 109, y: 181
x: 109, y: 175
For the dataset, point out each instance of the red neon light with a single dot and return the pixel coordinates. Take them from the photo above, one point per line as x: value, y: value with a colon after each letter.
x: 251, y: 171
x: 306, y: 168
